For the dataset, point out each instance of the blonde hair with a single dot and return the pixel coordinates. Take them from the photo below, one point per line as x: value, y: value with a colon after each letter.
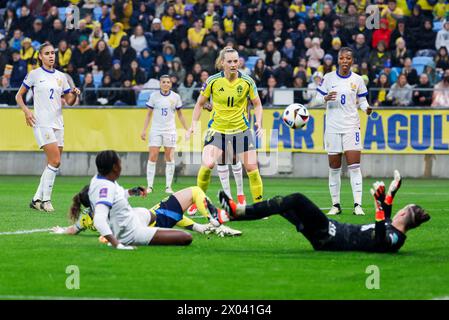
x: 220, y: 57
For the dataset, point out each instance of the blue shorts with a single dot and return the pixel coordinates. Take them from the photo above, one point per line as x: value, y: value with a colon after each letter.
x: 169, y: 213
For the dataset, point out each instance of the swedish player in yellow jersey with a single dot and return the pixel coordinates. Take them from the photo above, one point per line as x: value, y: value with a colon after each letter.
x: 229, y: 125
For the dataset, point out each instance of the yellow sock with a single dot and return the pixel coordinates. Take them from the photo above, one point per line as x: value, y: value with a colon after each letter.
x: 199, y: 197
x: 185, y: 222
x: 255, y: 185
x: 203, y: 178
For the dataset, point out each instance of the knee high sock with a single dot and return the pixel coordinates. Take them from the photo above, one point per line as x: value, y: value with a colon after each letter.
x: 238, y: 176
x: 203, y: 178
x: 151, y: 170
x: 255, y: 185
x: 48, y: 181
x: 169, y: 172
x: 199, y: 199
x: 223, y: 173
x: 335, y: 184
x: 355, y: 175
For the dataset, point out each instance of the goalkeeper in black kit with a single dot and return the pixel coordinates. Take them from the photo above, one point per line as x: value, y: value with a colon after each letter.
x: 385, y: 235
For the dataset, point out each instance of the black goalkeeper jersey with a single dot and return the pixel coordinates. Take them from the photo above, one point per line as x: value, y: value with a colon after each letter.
x: 377, y: 237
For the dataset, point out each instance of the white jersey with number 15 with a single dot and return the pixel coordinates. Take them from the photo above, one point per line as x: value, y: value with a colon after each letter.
x: 164, y: 108
x: 342, y: 115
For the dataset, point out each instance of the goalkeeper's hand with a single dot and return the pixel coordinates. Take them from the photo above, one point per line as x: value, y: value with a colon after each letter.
x: 378, y: 193
x: 138, y: 191
x: 394, y: 185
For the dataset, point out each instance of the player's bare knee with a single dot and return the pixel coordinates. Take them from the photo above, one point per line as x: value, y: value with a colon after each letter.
x: 209, y: 164
x: 55, y: 163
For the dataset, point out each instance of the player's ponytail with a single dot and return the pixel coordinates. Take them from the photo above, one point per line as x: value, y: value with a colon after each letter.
x: 81, y: 198
x: 42, y: 47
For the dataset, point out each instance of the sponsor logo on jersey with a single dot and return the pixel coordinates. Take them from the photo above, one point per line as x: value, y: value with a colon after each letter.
x: 221, y: 89
x: 103, y: 192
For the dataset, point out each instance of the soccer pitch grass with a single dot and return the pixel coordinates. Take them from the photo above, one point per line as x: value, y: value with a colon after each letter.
x: 269, y: 261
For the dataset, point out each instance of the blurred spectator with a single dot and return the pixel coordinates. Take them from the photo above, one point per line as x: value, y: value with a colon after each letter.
x: 250, y: 15
x: 318, y: 7
x: 217, y: 34
x: 168, y: 18
x: 105, y: 19
x: 442, y: 60
x: 315, y: 54
x: 203, y: 78
x: 441, y: 94
x: 440, y: 10
x: 410, y: 72
x: 210, y: 16
x: 122, y: 11
x: 379, y: 97
x: 328, y: 65
x: 135, y: 74
x: 138, y: 40
x: 15, y: 43
x: 283, y: 74
x: 311, y: 92
x: 341, y: 7
x: 336, y: 31
x: 186, y: 55
x: 392, y: 13
x: 279, y: 34
x: 10, y: 21
x: 117, y: 74
x: 431, y: 73
x: 97, y: 35
x: 186, y: 89
x: 427, y: 36
x: 199, y: 7
x: 382, y: 34
x: 179, y: 32
x: 116, y: 35
x: 302, y: 70
x: 401, y: 92
x: 267, y: 19
x: 89, y: 95
x: 196, y: 34
x: 168, y: 52
x: 179, y: 7
x: 159, y: 36
x: 4, y: 55
x: 349, y: 20
x: 292, y: 21
x: 19, y: 70
x: 288, y: 51
x: 442, y: 39
x: 423, y: 98
x: 399, y: 54
x: 415, y: 22
x: 83, y: 56
x: 63, y: 56
x: 196, y: 71
x: 37, y: 33
x: 6, y: 97
x: 270, y: 55
x: 52, y: 15
x: 400, y: 32
x: 261, y: 73
x: 379, y: 57
x: 28, y: 54
x: 229, y: 22
x: 336, y: 46
x: 159, y: 67
x: 71, y: 71
x: 259, y: 35
x: 127, y: 94
x: 103, y: 58
x: 177, y: 69
x: 107, y: 96
x: 25, y: 21
x: 124, y: 52
x: 268, y: 93
x: 322, y: 32
x: 328, y: 15
x: 298, y: 95
x: 57, y: 33
x: 145, y: 60
x: 243, y: 68
x: 361, y: 49
x: 361, y: 28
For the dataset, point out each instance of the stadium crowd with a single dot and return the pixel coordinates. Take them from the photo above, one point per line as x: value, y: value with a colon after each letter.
x: 128, y: 44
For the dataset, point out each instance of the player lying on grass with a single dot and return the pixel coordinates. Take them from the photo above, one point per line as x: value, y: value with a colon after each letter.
x: 165, y: 214
x: 385, y: 235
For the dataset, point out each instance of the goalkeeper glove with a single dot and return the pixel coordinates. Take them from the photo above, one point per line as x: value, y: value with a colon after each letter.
x: 137, y: 191
x: 394, y: 187
x: 378, y: 193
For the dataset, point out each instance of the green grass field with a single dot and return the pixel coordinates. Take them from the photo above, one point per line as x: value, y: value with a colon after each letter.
x: 269, y: 261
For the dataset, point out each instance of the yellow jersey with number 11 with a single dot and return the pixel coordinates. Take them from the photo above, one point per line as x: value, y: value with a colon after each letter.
x: 229, y: 102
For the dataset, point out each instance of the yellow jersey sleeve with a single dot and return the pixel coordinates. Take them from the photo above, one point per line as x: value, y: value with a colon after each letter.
x: 206, y: 89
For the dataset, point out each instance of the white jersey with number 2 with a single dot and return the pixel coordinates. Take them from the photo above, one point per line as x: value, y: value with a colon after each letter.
x: 342, y: 115
x: 164, y: 108
x: 48, y: 87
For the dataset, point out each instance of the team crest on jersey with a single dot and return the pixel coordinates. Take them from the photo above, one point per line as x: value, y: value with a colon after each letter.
x: 59, y: 81
x: 353, y: 86
x: 103, y: 192
x: 239, y: 90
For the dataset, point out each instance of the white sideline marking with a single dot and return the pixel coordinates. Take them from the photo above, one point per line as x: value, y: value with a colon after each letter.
x: 441, y: 298
x: 18, y: 297
x: 24, y: 231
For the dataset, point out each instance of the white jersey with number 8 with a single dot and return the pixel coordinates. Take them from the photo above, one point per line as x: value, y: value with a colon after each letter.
x: 342, y: 115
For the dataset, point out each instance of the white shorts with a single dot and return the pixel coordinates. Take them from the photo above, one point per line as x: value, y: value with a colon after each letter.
x: 341, y: 142
x: 143, y: 236
x: 46, y: 136
x: 144, y: 215
x: 161, y: 139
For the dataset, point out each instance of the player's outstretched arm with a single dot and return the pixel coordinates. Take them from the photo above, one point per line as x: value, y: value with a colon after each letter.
x: 72, y: 230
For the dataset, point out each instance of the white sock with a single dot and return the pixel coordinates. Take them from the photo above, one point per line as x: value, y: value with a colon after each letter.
x: 238, y: 176
x: 48, y: 181
x: 355, y: 175
x: 38, y: 195
x: 334, y: 184
x: 223, y: 173
x: 151, y: 171
x: 169, y: 173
